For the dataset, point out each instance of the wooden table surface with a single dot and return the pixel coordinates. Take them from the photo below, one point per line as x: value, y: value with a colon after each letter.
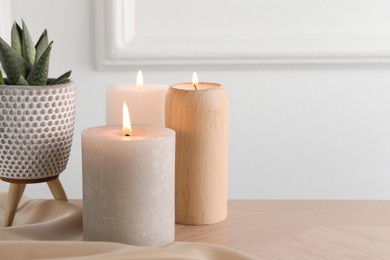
x: 296, y: 229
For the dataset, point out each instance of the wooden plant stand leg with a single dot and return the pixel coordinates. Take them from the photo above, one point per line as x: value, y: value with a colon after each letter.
x: 16, y: 190
x: 15, y: 193
x: 57, y: 190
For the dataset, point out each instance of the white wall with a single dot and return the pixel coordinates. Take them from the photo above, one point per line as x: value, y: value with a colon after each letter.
x: 296, y: 131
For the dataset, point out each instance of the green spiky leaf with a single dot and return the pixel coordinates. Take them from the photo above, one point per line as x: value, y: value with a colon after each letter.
x: 22, y: 81
x: 61, y: 79
x: 25, y: 63
x: 28, y: 48
x: 1, y: 78
x: 40, y: 70
x: 16, y: 38
x: 13, y: 64
x: 41, y: 45
x: 64, y: 81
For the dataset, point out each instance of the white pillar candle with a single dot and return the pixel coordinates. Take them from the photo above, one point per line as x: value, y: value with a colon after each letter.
x: 198, y: 112
x: 128, y: 185
x: 146, y: 103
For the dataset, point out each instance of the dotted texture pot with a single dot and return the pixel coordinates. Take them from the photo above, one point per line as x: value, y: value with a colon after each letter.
x: 36, y: 131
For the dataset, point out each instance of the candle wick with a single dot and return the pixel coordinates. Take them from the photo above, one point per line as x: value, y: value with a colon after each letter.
x: 127, y: 135
x: 195, y: 87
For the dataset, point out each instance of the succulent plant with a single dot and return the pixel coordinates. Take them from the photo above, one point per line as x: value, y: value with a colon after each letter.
x: 25, y: 63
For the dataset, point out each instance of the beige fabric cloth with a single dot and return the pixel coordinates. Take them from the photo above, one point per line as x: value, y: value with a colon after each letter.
x: 50, y: 229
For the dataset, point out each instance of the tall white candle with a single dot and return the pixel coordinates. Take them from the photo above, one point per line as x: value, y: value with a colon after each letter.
x: 146, y: 103
x: 128, y: 185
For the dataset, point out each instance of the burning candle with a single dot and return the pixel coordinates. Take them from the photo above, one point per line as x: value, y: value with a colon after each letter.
x: 128, y: 184
x: 146, y: 102
x: 198, y: 112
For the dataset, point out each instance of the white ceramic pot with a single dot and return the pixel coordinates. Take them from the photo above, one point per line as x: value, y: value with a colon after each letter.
x: 36, y: 131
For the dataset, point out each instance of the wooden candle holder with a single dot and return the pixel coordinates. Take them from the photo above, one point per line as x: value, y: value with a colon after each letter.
x: 16, y: 190
x: 200, y: 119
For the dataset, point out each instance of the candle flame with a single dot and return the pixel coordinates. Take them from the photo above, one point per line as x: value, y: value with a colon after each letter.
x: 195, y: 81
x: 126, y: 126
x: 140, y: 80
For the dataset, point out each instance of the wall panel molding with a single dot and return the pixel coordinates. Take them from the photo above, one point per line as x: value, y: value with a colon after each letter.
x: 139, y: 34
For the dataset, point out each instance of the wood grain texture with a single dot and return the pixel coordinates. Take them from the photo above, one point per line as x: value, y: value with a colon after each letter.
x: 300, y: 229
x: 15, y: 193
x: 16, y: 190
x: 200, y: 119
x: 57, y: 190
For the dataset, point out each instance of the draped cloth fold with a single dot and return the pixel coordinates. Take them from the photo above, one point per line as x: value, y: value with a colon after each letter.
x: 52, y: 229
